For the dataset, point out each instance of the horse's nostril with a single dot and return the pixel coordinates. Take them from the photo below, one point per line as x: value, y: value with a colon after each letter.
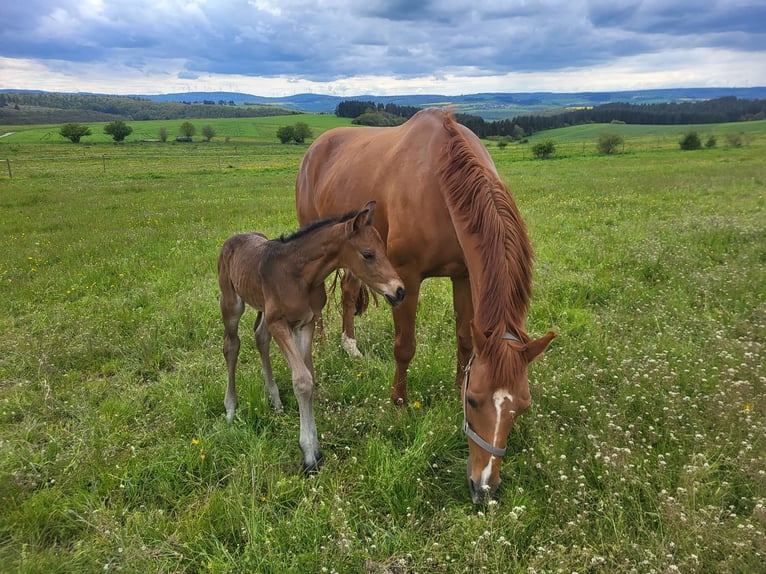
x: 400, y: 293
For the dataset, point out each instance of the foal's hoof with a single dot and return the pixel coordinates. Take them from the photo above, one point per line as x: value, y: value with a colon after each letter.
x: 312, y: 469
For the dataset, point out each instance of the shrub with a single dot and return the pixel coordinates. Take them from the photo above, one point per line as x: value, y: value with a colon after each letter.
x: 163, y: 134
x: 208, y: 133
x: 544, y: 149
x: 734, y: 140
x: 610, y: 142
x: 74, y: 132
x: 297, y: 133
x: 691, y: 141
x: 188, y: 129
x: 711, y: 141
x: 285, y: 134
x: 119, y: 130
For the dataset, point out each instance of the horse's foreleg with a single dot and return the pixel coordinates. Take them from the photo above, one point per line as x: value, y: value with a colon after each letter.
x: 463, y: 305
x: 232, y: 308
x: 404, y: 340
x: 350, y: 288
x: 263, y: 342
x: 303, y: 386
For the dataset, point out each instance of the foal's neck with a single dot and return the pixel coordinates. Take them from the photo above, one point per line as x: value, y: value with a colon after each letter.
x: 318, y: 253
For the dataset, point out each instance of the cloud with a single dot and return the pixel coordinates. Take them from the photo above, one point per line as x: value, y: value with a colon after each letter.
x: 330, y: 41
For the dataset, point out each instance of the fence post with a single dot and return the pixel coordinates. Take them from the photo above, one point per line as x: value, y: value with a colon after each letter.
x: 10, y: 173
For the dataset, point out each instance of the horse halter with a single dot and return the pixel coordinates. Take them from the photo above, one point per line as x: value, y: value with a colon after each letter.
x: 470, y: 433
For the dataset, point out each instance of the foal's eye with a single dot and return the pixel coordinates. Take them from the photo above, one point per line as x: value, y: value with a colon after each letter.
x: 472, y: 402
x: 368, y: 255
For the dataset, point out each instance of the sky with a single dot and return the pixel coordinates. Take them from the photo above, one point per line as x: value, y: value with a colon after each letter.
x: 377, y: 47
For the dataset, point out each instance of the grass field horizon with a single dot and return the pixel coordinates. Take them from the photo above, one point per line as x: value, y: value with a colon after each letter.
x: 644, y: 450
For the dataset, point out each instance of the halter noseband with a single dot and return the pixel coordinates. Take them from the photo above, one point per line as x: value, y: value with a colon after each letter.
x: 470, y: 433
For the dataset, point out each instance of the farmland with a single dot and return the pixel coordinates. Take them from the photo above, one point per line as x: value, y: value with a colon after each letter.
x: 644, y: 450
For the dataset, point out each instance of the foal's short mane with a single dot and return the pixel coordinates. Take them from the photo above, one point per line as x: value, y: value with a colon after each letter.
x: 314, y: 225
x: 482, y: 202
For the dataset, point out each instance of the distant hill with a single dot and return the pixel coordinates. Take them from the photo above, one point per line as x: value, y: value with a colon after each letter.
x: 29, y: 106
x: 35, y: 107
x: 490, y: 106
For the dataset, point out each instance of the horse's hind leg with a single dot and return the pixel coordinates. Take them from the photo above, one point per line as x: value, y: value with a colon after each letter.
x: 263, y: 341
x: 232, y: 308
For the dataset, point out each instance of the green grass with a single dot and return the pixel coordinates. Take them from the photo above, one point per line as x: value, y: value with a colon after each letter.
x: 644, y: 449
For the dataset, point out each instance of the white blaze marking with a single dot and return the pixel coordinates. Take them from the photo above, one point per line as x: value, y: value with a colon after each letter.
x: 498, y: 398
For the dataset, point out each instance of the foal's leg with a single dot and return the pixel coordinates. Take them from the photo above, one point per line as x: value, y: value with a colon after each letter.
x: 263, y: 342
x: 303, y: 386
x: 232, y: 308
x: 350, y: 288
x: 463, y: 305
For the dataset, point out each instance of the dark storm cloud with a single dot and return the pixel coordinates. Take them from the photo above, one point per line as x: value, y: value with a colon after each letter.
x: 325, y: 40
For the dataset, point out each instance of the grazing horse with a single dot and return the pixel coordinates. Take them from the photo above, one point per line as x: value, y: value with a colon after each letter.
x: 442, y: 211
x: 283, y: 280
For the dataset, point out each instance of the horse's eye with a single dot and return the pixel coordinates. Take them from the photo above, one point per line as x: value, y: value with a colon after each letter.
x: 368, y: 255
x: 472, y: 402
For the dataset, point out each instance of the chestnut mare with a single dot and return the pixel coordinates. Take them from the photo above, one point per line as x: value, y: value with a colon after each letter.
x: 442, y: 211
x: 283, y: 280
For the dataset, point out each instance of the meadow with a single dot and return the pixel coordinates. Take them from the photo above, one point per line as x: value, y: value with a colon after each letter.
x: 644, y: 450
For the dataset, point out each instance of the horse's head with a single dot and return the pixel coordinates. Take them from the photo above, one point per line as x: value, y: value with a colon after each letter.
x: 495, y: 392
x: 365, y: 256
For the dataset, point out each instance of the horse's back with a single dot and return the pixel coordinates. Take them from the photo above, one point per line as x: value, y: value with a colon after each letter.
x: 399, y: 168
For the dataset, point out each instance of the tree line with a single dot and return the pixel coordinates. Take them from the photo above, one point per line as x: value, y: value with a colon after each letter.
x: 718, y: 110
x: 33, y: 108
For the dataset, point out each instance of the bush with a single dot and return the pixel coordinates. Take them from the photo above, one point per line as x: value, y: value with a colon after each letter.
x: 208, y: 133
x: 711, y: 141
x: 691, y: 141
x: 74, y: 132
x: 297, y: 133
x: 734, y: 140
x: 119, y: 130
x: 188, y: 129
x: 285, y: 134
x: 610, y: 142
x: 544, y: 149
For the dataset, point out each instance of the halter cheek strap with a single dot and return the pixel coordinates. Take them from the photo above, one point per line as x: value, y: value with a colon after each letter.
x: 470, y: 433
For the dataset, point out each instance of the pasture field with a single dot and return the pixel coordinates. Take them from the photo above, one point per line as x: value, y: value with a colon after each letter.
x: 644, y: 450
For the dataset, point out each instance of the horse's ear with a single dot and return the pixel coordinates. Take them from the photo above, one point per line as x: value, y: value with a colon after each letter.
x: 536, y: 347
x: 479, y: 338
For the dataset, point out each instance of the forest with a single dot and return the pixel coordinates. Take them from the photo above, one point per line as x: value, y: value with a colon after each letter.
x: 20, y: 108
x: 718, y: 110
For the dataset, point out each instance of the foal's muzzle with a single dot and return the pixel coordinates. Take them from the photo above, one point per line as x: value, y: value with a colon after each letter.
x: 396, y: 298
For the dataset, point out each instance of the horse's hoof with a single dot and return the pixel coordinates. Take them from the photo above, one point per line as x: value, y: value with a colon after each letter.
x: 349, y: 345
x: 312, y: 469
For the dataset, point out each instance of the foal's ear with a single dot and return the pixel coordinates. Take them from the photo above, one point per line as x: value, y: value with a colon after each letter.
x: 369, y: 209
x: 364, y: 217
x: 536, y: 347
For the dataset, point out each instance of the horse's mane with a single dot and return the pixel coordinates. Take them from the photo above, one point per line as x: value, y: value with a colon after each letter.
x: 315, y: 225
x: 480, y: 201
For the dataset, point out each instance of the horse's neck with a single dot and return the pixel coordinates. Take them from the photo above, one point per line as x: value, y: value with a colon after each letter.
x: 500, y: 286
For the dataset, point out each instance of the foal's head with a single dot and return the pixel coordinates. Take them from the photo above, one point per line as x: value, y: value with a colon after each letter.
x: 364, y: 254
x: 494, y: 393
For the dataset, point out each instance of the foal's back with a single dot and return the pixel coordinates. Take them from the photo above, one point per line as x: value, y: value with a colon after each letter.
x: 238, y: 267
